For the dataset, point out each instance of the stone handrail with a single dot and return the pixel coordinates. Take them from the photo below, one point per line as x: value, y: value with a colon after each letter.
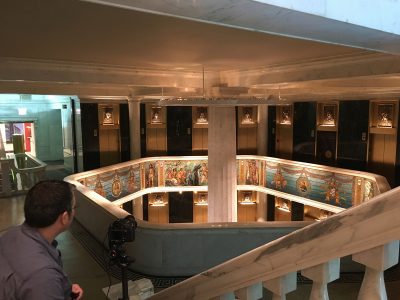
x: 368, y: 232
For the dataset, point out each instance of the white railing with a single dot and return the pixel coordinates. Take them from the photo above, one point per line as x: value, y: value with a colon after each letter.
x: 19, y: 172
x: 369, y: 232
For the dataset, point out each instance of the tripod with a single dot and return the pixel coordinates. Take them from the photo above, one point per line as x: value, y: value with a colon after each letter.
x: 118, y: 256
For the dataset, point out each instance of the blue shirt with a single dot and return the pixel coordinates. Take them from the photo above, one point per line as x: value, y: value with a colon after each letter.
x: 30, y: 267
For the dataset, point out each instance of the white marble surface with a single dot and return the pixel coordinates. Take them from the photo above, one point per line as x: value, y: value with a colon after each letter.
x: 222, y: 179
x: 367, y: 226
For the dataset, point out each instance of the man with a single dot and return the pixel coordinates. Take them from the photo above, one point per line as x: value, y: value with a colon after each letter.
x: 30, y: 264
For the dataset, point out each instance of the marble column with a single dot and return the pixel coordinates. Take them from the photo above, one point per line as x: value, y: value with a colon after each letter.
x: 261, y: 207
x: 138, y: 208
x: 222, y: 179
x: 134, y: 128
x: 134, y: 138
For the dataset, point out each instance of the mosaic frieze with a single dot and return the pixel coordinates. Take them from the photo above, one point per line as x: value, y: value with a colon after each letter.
x: 323, y: 186
x: 185, y: 173
x: 115, y: 184
x: 319, y: 185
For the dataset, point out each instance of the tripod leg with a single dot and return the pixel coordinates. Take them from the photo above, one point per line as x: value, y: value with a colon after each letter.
x: 125, y: 295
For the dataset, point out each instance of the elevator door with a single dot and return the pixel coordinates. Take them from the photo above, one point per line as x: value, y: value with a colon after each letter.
x: 326, y: 148
x: 180, y: 207
x: 90, y: 136
x: 304, y: 131
x: 179, y: 130
x: 353, y: 134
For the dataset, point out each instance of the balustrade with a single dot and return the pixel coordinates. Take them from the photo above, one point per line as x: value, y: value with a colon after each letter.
x: 368, y: 232
x: 19, y: 172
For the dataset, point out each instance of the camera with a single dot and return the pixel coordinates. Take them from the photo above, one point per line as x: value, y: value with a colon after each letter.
x: 122, y: 231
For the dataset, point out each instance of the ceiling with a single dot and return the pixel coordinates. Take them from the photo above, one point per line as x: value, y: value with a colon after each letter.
x: 83, y: 44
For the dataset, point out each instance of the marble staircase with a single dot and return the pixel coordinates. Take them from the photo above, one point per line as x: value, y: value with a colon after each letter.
x: 368, y: 232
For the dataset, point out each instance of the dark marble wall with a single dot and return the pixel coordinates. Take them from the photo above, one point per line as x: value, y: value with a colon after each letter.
x: 124, y: 132
x: 271, y: 131
x: 353, y: 134
x: 142, y: 130
x: 90, y: 136
x: 304, y: 128
x: 179, y: 130
x: 326, y: 148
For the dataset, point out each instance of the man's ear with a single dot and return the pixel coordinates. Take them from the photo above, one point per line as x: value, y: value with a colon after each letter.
x: 64, y: 218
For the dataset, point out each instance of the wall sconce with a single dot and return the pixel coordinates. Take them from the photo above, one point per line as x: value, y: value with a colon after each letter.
x: 283, y: 206
x: 323, y: 215
x: 158, y: 201
x: 247, y: 199
x: 201, y: 200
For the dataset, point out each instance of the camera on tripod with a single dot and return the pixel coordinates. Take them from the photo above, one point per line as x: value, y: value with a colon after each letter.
x: 122, y: 231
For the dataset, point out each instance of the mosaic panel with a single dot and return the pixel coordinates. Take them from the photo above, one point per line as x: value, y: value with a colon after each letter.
x: 151, y: 174
x: 115, y: 184
x: 327, y: 187
x: 186, y: 173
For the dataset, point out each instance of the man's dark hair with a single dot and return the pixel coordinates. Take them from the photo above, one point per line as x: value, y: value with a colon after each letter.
x: 46, y: 201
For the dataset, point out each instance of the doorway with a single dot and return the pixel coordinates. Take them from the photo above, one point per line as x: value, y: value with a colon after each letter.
x: 25, y: 130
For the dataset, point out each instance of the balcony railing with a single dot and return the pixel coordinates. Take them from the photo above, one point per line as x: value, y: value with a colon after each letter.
x: 332, y: 189
x: 19, y: 172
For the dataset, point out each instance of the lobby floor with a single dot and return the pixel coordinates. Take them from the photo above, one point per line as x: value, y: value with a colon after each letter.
x: 85, y: 261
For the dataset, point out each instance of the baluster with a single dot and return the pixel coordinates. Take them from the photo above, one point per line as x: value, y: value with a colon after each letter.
x: 227, y: 296
x: 282, y: 285
x: 376, y: 260
x: 253, y: 292
x: 321, y: 275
